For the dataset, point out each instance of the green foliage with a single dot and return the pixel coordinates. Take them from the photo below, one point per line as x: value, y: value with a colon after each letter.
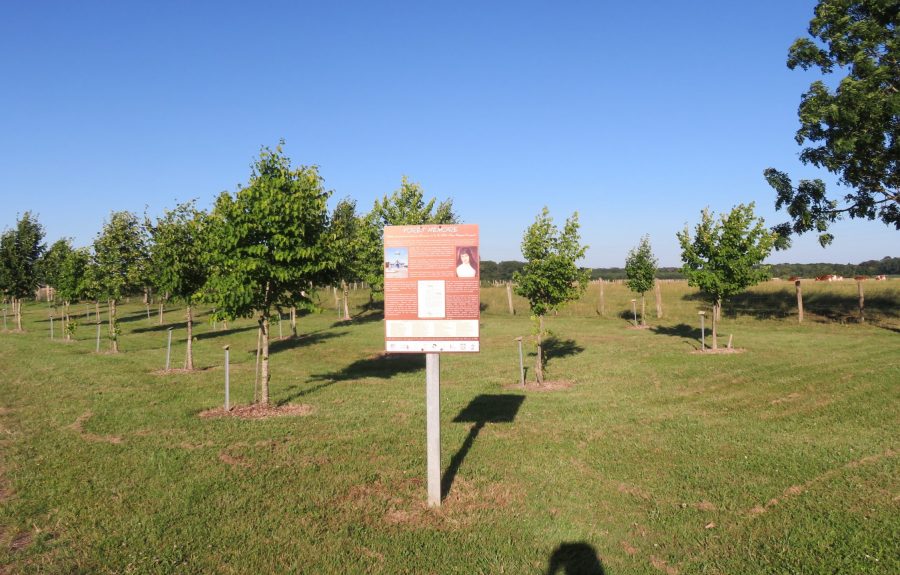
x: 407, y: 207
x: 640, y: 267
x: 404, y: 207
x: 120, y: 255
x: 348, y: 241
x: 551, y: 277
x: 50, y: 265
x: 723, y: 257
x: 73, y: 282
x: 852, y: 131
x: 178, y: 251
x: 20, y: 254
x: 268, y: 242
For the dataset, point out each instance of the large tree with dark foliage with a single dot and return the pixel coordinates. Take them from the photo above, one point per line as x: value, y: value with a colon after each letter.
x: 850, y: 130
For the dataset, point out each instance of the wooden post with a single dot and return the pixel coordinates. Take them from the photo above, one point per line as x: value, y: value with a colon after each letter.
x: 862, y: 315
x: 602, y: 299
x: 512, y: 310
x: 51, y: 326
x: 799, y: 302
x: 634, y: 311
x: 256, y: 370
x: 433, y: 426
x: 98, y: 334
x: 659, y: 312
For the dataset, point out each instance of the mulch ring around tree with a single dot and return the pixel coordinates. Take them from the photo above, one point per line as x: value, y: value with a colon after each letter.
x: 257, y: 411
x: 720, y: 351
x: 546, y: 386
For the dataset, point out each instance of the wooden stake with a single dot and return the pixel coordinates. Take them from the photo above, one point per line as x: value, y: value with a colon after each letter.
x: 602, y: 299
x: 799, y: 302
x: 862, y: 315
x: 659, y: 312
x: 512, y: 310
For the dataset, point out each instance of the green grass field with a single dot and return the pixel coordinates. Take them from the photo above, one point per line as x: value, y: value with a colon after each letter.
x: 645, y: 458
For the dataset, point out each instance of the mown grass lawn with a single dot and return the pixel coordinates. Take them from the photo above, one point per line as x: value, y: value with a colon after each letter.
x: 646, y: 458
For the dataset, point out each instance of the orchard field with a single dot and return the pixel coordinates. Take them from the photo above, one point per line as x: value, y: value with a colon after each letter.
x: 641, y: 455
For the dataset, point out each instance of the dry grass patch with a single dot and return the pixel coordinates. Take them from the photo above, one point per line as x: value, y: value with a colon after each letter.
x: 78, y: 427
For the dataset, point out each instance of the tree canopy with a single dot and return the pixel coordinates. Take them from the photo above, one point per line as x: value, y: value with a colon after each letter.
x: 21, y: 249
x: 851, y: 130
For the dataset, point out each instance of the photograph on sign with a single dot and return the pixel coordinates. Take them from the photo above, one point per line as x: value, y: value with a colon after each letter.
x: 431, y: 288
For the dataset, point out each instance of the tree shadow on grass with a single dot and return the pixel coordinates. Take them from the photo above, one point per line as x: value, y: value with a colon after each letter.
x: 164, y: 327
x: 382, y: 366
x: 224, y: 332
x: 681, y: 330
x: 575, y: 559
x: 783, y: 303
x: 481, y: 410
x: 361, y: 318
x: 558, y: 348
x: 278, y: 345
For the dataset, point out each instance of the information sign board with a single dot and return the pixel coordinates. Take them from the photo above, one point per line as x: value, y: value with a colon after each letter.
x: 431, y: 288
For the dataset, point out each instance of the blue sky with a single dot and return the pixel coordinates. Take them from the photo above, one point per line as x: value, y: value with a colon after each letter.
x: 637, y: 115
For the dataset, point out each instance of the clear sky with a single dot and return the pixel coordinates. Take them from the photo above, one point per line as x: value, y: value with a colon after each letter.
x: 635, y: 114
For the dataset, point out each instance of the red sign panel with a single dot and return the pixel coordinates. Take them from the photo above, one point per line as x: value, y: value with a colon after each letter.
x: 431, y: 288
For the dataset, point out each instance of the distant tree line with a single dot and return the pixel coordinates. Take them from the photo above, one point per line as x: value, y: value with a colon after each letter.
x: 503, y: 271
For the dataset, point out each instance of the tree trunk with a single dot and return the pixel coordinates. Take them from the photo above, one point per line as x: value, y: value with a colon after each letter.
x: 113, y: 326
x: 716, y: 307
x: 346, y: 291
x: 264, y: 367
x: 539, y: 364
x: 293, y: 321
x: 189, y: 360
x: 643, y: 310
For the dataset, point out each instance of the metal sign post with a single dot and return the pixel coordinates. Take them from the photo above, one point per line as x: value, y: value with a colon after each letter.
x: 702, y: 331
x: 433, y: 426
x: 169, y: 348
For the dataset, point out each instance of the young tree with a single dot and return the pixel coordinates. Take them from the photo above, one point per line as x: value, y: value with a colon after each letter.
x: 348, y: 244
x: 852, y: 131
x: 50, y: 265
x: 72, y: 284
x: 120, y: 255
x: 20, y: 251
x: 550, y: 277
x: 640, y: 269
x: 269, y: 243
x: 177, y: 260
x: 725, y: 255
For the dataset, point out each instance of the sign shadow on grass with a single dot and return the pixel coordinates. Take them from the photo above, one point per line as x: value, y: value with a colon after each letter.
x: 575, y: 559
x: 481, y: 410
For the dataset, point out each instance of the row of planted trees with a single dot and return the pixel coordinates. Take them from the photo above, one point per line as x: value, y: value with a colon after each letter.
x: 260, y: 251
x: 263, y: 249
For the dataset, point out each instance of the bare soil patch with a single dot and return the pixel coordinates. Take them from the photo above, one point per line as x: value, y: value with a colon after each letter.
x: 546, y: 386
x: 257, y: 411
x: 21, y: 541
x: 720, y: 351
x: 706, y: 506
x: 174, y: 371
